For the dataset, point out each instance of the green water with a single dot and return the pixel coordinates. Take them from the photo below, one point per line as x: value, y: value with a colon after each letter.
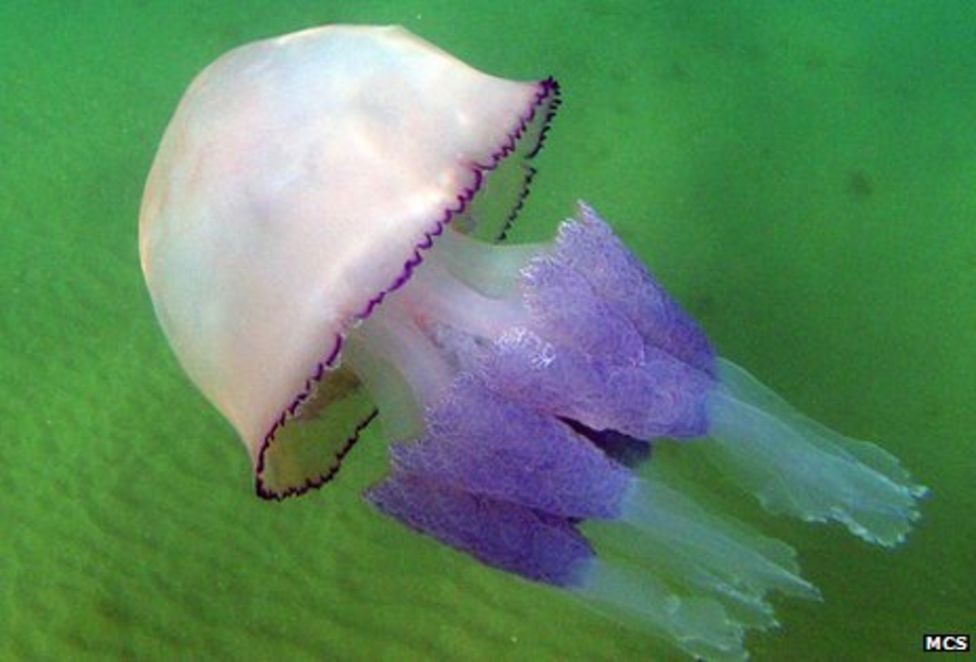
x: 801, y: 175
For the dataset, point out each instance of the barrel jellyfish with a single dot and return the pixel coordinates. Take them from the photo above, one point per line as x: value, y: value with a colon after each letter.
x: 321, y: 238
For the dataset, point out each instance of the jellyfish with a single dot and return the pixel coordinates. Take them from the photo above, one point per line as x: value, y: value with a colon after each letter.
x: 322, y: 238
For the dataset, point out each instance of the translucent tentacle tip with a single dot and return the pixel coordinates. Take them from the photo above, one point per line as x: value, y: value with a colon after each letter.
x: 799, y: 467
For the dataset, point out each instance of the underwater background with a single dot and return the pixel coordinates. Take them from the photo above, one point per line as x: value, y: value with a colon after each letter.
x: 802, y: 176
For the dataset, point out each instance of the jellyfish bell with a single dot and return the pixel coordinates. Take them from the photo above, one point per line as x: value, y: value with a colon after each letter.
x: 295, y: 186
x: 317, y: 235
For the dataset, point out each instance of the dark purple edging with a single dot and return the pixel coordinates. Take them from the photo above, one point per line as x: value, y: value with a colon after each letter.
x: 530, y: 172
x: 547, y: 94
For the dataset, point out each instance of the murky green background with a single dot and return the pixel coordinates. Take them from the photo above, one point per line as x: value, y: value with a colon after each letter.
x: 802, y: 175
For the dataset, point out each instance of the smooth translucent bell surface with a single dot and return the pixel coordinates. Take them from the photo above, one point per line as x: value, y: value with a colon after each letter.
x: 293, y: 185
